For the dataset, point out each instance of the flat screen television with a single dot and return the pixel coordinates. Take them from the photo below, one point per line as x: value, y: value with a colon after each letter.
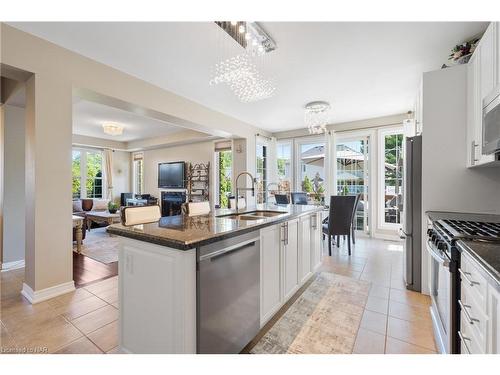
x: 171, y: 175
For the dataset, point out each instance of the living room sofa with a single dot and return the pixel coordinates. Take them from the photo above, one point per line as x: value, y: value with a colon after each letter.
x: 85, y: 205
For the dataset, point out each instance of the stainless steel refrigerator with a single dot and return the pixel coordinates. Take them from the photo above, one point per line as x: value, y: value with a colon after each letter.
x: 412, y: 213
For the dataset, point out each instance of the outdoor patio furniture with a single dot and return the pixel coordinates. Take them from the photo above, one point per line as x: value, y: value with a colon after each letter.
x: 281, y: 199
x: 299, y: 198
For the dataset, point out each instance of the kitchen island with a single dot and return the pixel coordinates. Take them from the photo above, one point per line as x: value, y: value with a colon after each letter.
x: 173, y: 298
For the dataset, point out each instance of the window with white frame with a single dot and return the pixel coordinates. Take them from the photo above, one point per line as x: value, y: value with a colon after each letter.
x: 87, y: 174
x: 311, y: 168
x: 138, y: 169
x: 391, y: 176
x: 284, y: 166
x: 262, y: 172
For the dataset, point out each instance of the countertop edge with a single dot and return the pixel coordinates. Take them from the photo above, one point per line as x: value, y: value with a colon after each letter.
x: 491, y: 274
x: 179, y: 245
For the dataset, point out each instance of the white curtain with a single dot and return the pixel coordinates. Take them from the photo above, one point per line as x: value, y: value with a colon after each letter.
x: 108, y: 169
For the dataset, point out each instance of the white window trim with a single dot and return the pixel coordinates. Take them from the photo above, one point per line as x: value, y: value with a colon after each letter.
x: 261, y: 141
x: 381, y: 224
x: 353, y: 136
x: 83, y: 172
x: 289, y: 142
x: 216, y: 174
x: 134, y: 170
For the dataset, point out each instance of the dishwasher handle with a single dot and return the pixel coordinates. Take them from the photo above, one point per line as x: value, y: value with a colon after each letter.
x: 220, y: 253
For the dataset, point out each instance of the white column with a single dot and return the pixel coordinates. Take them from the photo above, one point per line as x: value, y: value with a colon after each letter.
x: 49, y: 259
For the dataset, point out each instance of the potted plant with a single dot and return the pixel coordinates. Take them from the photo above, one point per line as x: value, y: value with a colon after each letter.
x: 461, y: 53
x: 112, y: 207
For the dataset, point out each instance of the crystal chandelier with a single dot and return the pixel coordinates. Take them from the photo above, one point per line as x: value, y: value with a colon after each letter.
x: 243, y: 78
x: 241, y: 73
x: 316, y: 116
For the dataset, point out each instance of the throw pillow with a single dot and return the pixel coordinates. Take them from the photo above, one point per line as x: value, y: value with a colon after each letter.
x: 100, y: 204
x: 77, y: 206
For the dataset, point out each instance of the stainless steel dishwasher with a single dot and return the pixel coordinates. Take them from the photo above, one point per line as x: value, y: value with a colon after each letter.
x: 228, y: 294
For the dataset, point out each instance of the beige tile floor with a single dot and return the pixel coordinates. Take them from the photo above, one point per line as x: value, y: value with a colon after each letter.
x: 394, y: 320
x: 84, y: 321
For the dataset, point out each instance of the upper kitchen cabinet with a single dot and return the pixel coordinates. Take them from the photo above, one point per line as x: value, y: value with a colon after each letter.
x: 488, y: 61
x: 482, y: 78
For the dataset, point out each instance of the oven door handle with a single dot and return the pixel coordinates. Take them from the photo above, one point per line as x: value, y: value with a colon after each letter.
x: 437, y: 256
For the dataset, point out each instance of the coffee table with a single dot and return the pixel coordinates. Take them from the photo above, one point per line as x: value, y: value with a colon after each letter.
x: 78, y: 224
x: 102, y: 217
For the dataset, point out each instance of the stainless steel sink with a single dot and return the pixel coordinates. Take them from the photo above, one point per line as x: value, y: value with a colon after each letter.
x: 252, y: 215
x: 265, y: 213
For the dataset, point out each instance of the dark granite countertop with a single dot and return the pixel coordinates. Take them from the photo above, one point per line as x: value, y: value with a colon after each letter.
x: 486, y: 255
x: 185, y: 232
x: 445, y: 215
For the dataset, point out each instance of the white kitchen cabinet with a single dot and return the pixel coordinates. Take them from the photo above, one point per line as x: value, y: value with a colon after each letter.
x: 305, y: 223
x: 157, y: 293
x: 494, y: 320
x: 316, y: 242
x: 270, y: 272
x: 497, y: 28
x: 480, y: 311
x: 488, y: 60
x: 290, y: 251
x: 481, y: 78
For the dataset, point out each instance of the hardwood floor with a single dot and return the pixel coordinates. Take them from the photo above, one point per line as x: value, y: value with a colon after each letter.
x: 87, y: 270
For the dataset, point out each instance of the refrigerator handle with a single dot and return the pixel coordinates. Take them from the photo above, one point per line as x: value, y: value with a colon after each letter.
x: 403, y: 234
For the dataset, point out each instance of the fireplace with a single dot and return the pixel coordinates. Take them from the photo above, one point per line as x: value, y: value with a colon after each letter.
x: 171, y: 202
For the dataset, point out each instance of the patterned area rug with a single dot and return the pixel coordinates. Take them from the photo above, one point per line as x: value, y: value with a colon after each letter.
x: 100, y: 246
x: 323, y: 320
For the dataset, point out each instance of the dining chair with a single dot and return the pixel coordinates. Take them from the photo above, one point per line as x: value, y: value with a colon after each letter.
x: 281, y: 199
x: 353, y: 224
x: 299, y: 198
x: 340, y: 220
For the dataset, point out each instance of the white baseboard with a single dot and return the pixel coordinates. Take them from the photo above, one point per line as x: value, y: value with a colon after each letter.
x: 47, y: 293
x: 8, y: 266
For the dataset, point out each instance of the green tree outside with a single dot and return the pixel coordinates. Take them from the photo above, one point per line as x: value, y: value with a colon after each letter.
x: 93, y: 181
x: 225, y: 167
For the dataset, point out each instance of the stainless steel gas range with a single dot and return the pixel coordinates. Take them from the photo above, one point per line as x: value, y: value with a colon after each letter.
x: 444, y: 276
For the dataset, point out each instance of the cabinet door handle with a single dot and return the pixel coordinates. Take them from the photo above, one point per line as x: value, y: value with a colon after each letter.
x: 473, y: 153
x: 287, y: 233
x: 465, y: 276
x: 466, y: 313
x: 463, y: 339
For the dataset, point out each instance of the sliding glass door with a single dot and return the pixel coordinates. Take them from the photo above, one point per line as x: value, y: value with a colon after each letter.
x: 352, y: 175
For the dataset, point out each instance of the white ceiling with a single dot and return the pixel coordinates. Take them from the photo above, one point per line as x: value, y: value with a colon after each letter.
x: 363, y: 69
x: 88, y: 118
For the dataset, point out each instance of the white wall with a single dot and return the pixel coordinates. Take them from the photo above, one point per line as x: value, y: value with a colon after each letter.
x: 193, y: 153
x: 447, y: 185
x: 14, y: 199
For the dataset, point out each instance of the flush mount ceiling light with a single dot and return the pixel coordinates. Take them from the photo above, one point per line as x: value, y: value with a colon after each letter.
x: 242, y: 73
x: 317, y: 116
x: 112, y: 128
